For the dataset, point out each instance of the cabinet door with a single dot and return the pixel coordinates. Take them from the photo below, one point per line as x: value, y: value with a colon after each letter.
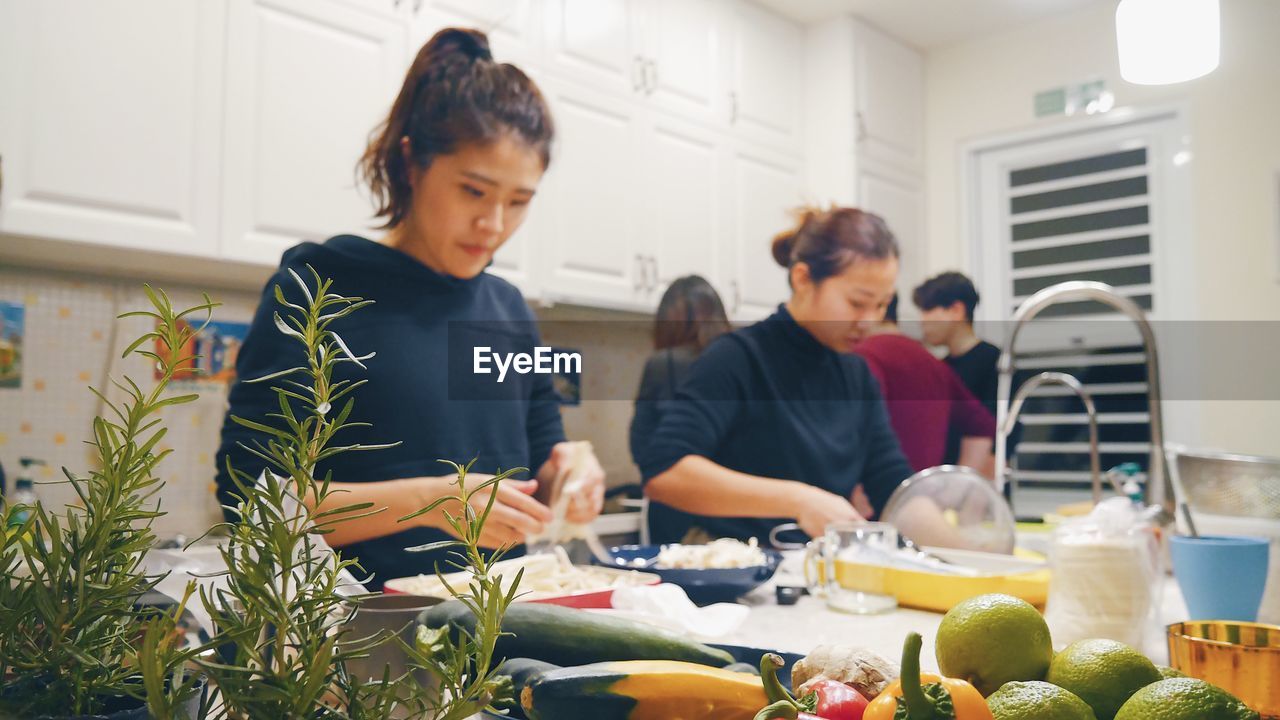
x: 898, y: 199
x: 766, y: 69
x: 512, y: 25
x: 111, y: 122
x: 766, y: 191
x: 593, y: 188
x: 682, y: 228
x: 308, y: 80
x: 684, y: 49
x: 594, y: 42
x: 890, y: 100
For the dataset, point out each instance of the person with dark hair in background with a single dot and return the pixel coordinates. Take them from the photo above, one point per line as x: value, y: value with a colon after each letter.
x: 453, y: 170
x: 779, y: 421
x: 690, y: 315
x: 947, y: 302
x: 927, y: 401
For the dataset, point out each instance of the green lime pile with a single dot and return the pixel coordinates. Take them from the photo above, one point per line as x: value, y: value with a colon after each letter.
x: 1001, y: 645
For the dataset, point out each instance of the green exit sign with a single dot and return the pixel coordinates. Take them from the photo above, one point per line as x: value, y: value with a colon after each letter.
x: 1087, y: 97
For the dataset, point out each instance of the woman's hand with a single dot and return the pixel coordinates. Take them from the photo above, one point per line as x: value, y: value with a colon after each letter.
x: 516, y: 514
x: 816, y: 509
x: 585, y: 504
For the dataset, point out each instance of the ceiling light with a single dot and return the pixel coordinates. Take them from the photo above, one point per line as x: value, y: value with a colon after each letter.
x: 1167, y: 41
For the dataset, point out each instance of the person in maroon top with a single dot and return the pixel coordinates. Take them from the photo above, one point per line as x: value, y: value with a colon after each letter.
x: 926, y: 399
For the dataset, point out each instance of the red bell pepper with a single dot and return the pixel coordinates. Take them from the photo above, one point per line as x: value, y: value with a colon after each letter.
x: 828, y: 700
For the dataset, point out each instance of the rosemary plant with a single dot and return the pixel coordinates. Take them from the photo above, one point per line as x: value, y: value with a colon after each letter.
x: 282, y: 649
x: 68, y: 625
x: 279, y: 615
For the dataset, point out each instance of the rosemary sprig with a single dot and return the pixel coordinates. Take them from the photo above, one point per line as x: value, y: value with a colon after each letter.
x: 460, y: 662
x: 281, y: 643
x: 69, y: 582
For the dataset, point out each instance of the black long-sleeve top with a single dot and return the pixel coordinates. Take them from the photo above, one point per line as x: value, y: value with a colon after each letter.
x: 770, y: 400
x: 421, y: 390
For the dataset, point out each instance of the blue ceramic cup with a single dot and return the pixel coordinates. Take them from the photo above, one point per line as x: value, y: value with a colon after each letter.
x: 1222, y: 577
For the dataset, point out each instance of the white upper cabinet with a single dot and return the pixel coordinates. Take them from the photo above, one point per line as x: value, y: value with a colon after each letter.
x: 683, y: 56
x: 682, y: 205
x: 591, y: 195
x: 889, y: 99
x: 111, y: 122
x: 307, y: 82
x: 766, y: 189
x: 595, y: 43
x: 766, y: 65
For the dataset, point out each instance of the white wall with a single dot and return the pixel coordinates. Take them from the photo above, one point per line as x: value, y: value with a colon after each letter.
x: 983, y: 87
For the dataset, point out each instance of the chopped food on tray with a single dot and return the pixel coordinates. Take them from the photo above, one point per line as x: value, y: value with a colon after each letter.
x: 717, y: 554
x: 545, y: 576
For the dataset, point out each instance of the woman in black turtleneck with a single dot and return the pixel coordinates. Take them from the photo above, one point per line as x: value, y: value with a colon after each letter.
x: 453, y: 168
x: 779, y: 422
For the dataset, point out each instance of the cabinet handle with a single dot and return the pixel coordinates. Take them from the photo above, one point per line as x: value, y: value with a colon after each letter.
x: 651, y: 77
x: 737, y: 296
x: 638, y: 283
x: 395, y: 4
x: 417, y: 5
x: 637, y: 74
x: 861, y: 132
x: 733, y: 108
x: 653, y: 273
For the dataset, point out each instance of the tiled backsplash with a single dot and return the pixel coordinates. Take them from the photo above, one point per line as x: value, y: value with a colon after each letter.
x: 72, y: 340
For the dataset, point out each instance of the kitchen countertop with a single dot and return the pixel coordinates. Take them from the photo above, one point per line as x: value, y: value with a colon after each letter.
x: 798, y: 628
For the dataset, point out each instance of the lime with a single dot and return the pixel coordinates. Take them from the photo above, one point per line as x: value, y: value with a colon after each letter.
x: 1037, y: 701
x: 1167, y: 672
x: 1104, y: 673
x: 990, y: 640
x: 1184, y: 699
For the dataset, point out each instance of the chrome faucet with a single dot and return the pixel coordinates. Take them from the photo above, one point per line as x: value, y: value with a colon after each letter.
x: 1008, y: 420
x: 1159, y: 491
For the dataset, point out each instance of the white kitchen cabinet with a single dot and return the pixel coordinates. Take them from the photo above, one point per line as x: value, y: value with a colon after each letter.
x: 111, y: 122
x: 889, y: 99
x: 683, y: 214
x: 683, y: 51
x: 595, y: 43
x: 307, y: 81
x: 590, y: 202
x: 765, y: 189
x: 767, y: 54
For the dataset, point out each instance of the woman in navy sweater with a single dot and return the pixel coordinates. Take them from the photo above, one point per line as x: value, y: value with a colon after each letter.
x: 779, y: 422
x: 453, y: 168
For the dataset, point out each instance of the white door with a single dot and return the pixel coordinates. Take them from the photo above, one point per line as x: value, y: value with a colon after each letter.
x: 512, y: 26
x: 1098, y: 202
x: 898, y: 199
x: 594, y: 42
x: 683, y: 229
x: 684, y: 52
x: 591, y: 201
x: 767, y: 56
x: 766, y: 191
x: 307, y: 82
x: 109, y: 136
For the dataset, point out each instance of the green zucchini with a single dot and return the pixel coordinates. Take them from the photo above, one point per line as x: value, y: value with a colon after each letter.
x: 564, y: 636
x: 643, y: 690
x: 522, y: 671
